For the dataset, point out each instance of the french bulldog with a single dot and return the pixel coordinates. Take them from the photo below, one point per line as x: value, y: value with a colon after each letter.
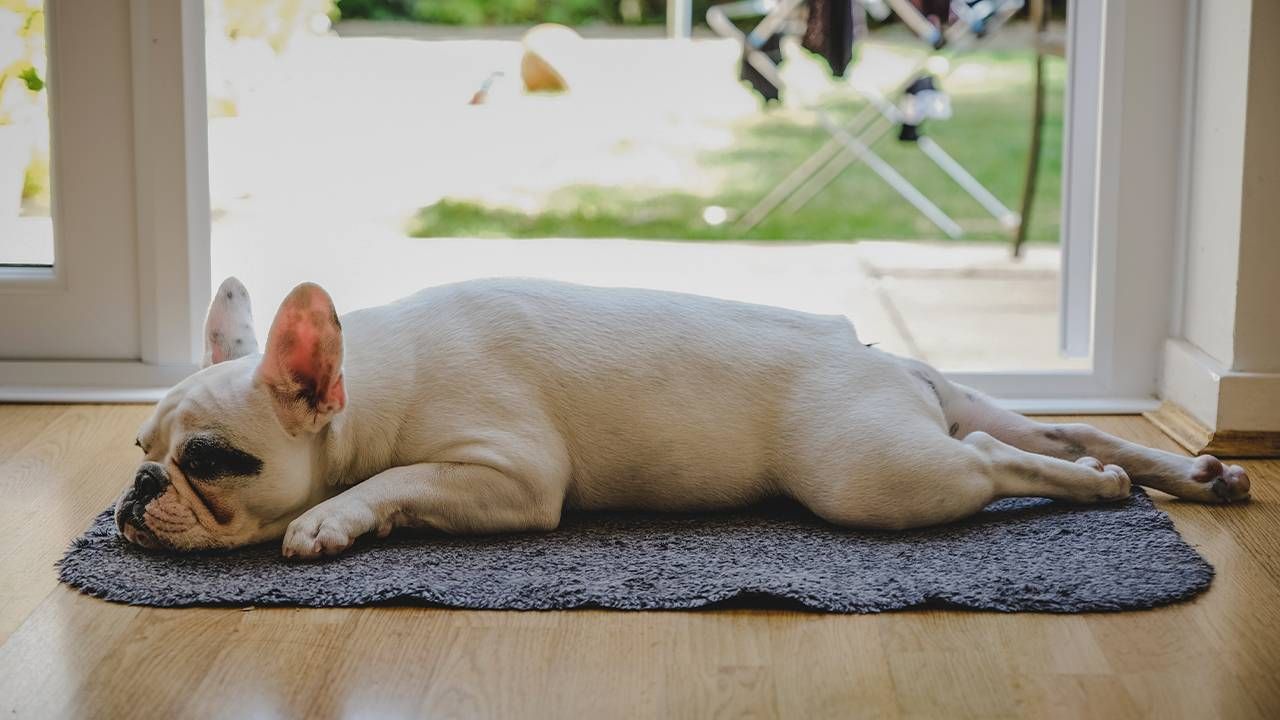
x: 489, y: 406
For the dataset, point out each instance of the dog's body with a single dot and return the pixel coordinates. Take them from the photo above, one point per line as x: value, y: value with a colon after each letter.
x: 488, y: 406
x: 612, y: 398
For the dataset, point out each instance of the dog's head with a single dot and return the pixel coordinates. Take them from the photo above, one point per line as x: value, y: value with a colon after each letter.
x: 233, y: 453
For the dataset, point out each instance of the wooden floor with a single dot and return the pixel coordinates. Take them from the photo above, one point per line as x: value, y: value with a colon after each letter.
x: 64, y: 654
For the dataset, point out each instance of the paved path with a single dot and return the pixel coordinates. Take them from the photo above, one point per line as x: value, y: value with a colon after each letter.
x: 961, y: 307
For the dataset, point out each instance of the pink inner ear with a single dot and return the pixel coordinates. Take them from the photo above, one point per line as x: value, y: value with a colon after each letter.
x: 304, y: 350
x: 299, y: 353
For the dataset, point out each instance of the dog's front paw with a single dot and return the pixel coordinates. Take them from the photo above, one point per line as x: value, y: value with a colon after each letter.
x: 324, y: 531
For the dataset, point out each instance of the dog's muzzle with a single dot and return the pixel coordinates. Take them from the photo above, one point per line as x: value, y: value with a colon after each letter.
x: 148, y: 484
x: 150, y: 481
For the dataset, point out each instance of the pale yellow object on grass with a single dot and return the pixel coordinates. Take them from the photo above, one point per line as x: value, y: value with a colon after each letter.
x: 552, y: 54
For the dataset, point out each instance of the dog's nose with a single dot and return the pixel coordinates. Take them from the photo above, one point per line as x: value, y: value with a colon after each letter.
x: 149, y: 481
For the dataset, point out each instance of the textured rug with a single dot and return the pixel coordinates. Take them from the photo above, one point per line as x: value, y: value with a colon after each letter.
x: 1017, y: 555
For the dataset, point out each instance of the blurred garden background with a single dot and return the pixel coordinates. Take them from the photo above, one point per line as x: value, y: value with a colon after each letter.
x: 380, y: 146
x: 720, y: 158
x: 654, y: 140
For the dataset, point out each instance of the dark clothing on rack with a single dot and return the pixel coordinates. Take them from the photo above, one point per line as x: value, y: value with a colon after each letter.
x: 937, y: 10
x: 830, y: 31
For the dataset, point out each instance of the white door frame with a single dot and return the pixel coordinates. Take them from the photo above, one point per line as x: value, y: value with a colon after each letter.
x: 1121, y: 186
x: 1122, y: 191
x: 118, y: 316
x: 1080, y: 152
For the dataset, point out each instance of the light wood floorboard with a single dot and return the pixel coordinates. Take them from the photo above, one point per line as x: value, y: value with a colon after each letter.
x: 65, y: 654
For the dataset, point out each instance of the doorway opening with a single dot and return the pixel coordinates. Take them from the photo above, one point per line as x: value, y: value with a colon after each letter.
x: 378, y: 148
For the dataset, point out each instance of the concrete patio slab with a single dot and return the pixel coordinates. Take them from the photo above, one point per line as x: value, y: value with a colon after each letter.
x: 962, y: 321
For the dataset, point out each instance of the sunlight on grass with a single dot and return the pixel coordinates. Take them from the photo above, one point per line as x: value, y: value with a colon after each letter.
x: 988, y: 134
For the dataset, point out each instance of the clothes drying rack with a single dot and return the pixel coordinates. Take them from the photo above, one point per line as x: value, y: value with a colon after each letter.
x: 914, y: 101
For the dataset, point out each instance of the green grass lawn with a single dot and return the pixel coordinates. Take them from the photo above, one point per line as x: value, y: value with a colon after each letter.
x: 988, y: 134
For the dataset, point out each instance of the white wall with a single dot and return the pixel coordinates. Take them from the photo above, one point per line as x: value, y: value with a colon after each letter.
x: 1223, y: 364
x: 1217, y: 162
x: 1257, y: 328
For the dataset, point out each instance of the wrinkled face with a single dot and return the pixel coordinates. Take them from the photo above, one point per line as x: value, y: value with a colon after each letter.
x: 218, y: 470
x: 232, y: 454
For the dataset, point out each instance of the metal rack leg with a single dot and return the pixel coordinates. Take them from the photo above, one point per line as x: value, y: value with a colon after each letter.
x: 976, y: 190
x: 891, y: 176
x: 815, y: 163
x: 818, y: 181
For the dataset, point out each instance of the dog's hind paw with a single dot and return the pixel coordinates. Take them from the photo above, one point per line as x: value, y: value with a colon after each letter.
x: 1226, y: 483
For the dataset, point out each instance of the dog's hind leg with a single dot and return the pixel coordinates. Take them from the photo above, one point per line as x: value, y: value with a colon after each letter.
x: 887, y: 484
x: 1203, y: 479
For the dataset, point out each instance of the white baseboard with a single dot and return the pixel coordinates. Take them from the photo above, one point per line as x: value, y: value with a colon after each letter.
x: 87, y: 381
x: 1080, y: 406
x: 1220, y: 398
x: 80, y: 395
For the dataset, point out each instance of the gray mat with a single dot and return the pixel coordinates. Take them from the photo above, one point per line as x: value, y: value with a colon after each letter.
x: 1023, y: 554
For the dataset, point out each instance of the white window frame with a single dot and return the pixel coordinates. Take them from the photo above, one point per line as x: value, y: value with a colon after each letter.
x: 1121, y: 189
x: 143, y: 227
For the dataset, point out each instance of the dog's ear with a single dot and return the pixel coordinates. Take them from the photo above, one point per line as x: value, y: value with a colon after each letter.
x: 302, y: 366
x: 228, y: 329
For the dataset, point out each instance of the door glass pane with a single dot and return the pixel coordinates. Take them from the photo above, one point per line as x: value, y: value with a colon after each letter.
x: 380, y: 146
x: 26, y: 229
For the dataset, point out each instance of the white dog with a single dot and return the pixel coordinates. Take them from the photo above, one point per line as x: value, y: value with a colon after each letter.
x: 489, y: 406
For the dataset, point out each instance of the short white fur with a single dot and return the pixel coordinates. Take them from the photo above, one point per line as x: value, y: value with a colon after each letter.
x: 490, y: 406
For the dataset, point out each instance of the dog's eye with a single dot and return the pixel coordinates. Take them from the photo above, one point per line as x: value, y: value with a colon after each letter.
x: 199, y: 466
x: 209, y: 458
